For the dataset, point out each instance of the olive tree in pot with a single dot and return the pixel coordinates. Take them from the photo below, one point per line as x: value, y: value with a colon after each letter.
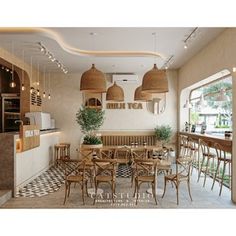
x: 90, y: 120
x: 163, y: 134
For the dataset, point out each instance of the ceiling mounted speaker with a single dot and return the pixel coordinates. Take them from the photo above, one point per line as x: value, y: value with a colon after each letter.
x: 155, y: 81
x: 115, y: 93
x: 139, y: 95
x: 93, y: 81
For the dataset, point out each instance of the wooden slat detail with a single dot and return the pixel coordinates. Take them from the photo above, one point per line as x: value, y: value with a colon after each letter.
x: 112, y: 140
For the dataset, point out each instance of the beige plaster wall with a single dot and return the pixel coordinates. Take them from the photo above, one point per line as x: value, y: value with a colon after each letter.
x: 218, y: 55
x: 67, y: 99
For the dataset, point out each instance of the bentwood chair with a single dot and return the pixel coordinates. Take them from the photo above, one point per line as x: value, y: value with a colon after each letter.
x: 207, y: 162
x: 137, y: 153
x: 76, y: 175
x: 145, y: 173
x: 105, y: 172
x: 106, y: 153
x: 183, y: 167
x: 122, y: 155
x: 223, y: 158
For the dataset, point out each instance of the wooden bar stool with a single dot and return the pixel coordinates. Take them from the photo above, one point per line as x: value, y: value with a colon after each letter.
x: 222, y: 158
x: 60, y: 152
x: 67, y: 149
x: 193, y: 152
x: 207, y: 157
x: 183, y: 145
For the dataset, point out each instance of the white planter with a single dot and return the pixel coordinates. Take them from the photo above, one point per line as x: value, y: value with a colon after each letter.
x: 93, y: 146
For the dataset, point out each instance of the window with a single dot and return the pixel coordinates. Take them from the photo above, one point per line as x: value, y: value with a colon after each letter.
x: 212, y: 106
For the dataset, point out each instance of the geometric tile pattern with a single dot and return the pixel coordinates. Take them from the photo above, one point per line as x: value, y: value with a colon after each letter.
x: 51, y: 180
x: 48, y: 182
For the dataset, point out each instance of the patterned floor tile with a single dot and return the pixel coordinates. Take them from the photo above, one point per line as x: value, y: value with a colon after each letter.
x: 51, y: 180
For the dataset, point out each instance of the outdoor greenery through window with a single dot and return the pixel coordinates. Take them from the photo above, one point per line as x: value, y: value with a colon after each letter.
x: 212, y: 106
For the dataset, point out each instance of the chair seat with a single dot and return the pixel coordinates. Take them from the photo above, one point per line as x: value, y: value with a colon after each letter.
x: 74, y: 178
x: 145, y: 178
x: 104, y: 178
x: 122, y: 161
x: 175, y: 176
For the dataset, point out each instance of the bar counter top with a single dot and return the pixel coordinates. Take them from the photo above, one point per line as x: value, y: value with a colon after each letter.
x: 226, y: 143
x: 41, y: 132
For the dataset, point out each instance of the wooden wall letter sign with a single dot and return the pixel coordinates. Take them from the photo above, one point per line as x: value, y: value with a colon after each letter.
x: 123, y: 105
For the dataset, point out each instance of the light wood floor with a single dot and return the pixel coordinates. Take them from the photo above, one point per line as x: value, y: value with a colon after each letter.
x: 203, y: 198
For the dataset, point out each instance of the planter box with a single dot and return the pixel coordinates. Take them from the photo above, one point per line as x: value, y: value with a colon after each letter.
x: 92, y: 146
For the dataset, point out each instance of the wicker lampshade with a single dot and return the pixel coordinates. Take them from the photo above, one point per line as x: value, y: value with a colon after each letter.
x: 155, y: 81
x: 93, y: 81
x: 139, y: 95
x: 115, y: 93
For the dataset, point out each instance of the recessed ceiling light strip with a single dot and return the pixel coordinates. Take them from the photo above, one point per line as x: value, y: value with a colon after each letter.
x: 68, y: 48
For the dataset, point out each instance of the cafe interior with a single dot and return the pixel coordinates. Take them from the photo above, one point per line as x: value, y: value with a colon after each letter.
x: 135, y: 117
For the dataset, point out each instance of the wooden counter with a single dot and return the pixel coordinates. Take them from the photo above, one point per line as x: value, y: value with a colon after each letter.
x: 226, y: 143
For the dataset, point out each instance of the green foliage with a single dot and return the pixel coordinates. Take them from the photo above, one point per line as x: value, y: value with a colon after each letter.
x: 215, y: 88
x: 92, y: 140
x: 90, y: 119
x: 163, y: 133
x: 222, y: 126
x: 194, y: 117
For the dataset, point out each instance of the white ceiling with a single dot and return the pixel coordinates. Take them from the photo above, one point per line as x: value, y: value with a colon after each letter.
x: 170, y: 41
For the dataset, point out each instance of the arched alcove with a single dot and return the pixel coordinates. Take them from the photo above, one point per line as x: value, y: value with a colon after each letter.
x: 20, y: 77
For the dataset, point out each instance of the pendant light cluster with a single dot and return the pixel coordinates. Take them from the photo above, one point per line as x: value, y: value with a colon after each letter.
x: 154, y: 81
x: 94, y: 81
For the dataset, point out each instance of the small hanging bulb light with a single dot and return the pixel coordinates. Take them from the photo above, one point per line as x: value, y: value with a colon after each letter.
x: 12, y: 83
x: 185, y: 46
x: 49, y: 87
x: 31, y: 90
x: 22, y: 73
x: 44, y: 80
x: 38, y: 92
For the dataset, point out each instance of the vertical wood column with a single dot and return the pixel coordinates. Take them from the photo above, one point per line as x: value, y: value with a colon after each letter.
x: 233, y: 191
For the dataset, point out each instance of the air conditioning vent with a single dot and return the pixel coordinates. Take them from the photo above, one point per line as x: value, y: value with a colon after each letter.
x: 126, y: 78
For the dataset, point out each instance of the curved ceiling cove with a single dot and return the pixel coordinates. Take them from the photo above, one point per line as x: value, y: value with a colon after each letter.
x: 77, y: 51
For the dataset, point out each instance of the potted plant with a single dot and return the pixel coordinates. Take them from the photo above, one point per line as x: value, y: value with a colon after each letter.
x: 90, y: 120
x: 163, y: 134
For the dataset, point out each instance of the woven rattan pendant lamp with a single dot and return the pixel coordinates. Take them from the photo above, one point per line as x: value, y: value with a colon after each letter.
x: 155, y: 80
x: 93, y: 81
x: 115, y: 93
x: 139, y: 95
